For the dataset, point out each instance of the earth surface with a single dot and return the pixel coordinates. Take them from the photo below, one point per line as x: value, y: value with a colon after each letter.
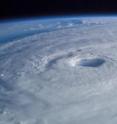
x: 58, y: 71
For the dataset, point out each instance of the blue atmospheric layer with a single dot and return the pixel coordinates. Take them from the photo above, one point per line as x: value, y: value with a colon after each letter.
x: 11, y: 30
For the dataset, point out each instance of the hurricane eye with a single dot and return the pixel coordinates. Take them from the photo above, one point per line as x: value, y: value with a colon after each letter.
x: 95, y: 62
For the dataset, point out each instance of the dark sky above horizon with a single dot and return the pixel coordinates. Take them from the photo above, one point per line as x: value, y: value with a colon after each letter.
x: 27, y: 8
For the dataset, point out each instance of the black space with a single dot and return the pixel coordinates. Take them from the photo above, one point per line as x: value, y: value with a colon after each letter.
x: 28, y: 8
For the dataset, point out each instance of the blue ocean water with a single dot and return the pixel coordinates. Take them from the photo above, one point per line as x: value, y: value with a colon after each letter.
x: 11, y: 30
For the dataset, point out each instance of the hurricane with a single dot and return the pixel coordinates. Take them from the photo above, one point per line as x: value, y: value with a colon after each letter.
x: 58, y: 71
